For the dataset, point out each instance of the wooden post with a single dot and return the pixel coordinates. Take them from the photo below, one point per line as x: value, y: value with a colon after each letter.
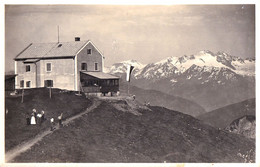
x: 50, y: 92
x: 128, y: 88
x: 22, y: 95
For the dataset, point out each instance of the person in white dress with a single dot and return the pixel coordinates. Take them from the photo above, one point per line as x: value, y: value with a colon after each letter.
x: 33, y: 122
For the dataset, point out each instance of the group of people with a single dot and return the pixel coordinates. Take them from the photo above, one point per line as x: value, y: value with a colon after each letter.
x: 39, y: 117
x: 59, y: 119
x: 36, y: 118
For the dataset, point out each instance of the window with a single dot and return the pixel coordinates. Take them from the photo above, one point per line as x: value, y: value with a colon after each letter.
x: 96, y: 66
x: 112, y: 82
x: 108, y: 82
x: 88, y: 51
x: 116, y: 82
x: 48, y: 67
x: 48, y: 83
x: 86, y: 83
x: 21, y: 83
x: 84, y: 66
x: 28, y: 84
x: 27, y: 68
x: 95, y: 83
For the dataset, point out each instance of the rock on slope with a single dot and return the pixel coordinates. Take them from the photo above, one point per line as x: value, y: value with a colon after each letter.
x: 245, y: 125
x: 156, y: 135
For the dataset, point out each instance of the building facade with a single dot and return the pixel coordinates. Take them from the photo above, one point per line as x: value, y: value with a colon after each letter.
x: 59, y: 65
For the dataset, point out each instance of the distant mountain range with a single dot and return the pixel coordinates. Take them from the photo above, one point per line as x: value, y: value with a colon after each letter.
x: 165, y: 100
x: 212, y: 80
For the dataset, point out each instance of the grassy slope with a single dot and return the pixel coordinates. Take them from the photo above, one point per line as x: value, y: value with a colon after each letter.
x: 109, y: 135
x: 222, y: 117
x: 16, y: 130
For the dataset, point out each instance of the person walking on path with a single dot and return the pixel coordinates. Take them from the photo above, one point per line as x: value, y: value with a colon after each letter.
x: 39, y: 118
x: 52, y: 124
x: 43, y: 116
x: 35, y: 114
x: 28, y: 121
x: 60, y: 119
x: 33, y: 121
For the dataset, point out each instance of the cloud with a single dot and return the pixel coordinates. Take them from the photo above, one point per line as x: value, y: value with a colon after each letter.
x: 149, y: 33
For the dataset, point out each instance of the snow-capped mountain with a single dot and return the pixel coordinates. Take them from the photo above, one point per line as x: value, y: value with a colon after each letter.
x: 206, y: 60
x: 120, y: 68
x: 210, y: 79
x: 106, y: 69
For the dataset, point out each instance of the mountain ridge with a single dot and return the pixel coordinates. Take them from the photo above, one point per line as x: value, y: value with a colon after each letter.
x: 212, y: 80
x: 202, y: 58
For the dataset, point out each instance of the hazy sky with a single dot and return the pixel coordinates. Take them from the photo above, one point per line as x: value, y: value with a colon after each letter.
x: 144, y: 33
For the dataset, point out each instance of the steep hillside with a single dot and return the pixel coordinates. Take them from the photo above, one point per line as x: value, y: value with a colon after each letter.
x: 156, y: 135
x: 157, y: 98
x: 222, y: 117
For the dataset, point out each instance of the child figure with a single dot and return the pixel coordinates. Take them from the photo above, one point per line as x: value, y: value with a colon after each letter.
x: 39, y: 118
x: 34, y: 114
x: 52, y: 124
x: 60, y: 119
x: 28, y: 121
x: 42, y: 115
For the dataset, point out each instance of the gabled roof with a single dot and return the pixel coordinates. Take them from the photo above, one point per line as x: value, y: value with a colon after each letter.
x: 100, y: 75
x: 51, y: 50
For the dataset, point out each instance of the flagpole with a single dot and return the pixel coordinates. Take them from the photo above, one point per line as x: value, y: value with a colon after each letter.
x: 128, y: 76
x: 128, y: 88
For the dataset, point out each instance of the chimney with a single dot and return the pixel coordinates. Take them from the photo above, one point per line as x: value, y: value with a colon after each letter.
x: 77, y: 38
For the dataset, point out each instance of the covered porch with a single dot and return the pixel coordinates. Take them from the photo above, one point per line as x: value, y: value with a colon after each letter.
x: 99, y: 82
